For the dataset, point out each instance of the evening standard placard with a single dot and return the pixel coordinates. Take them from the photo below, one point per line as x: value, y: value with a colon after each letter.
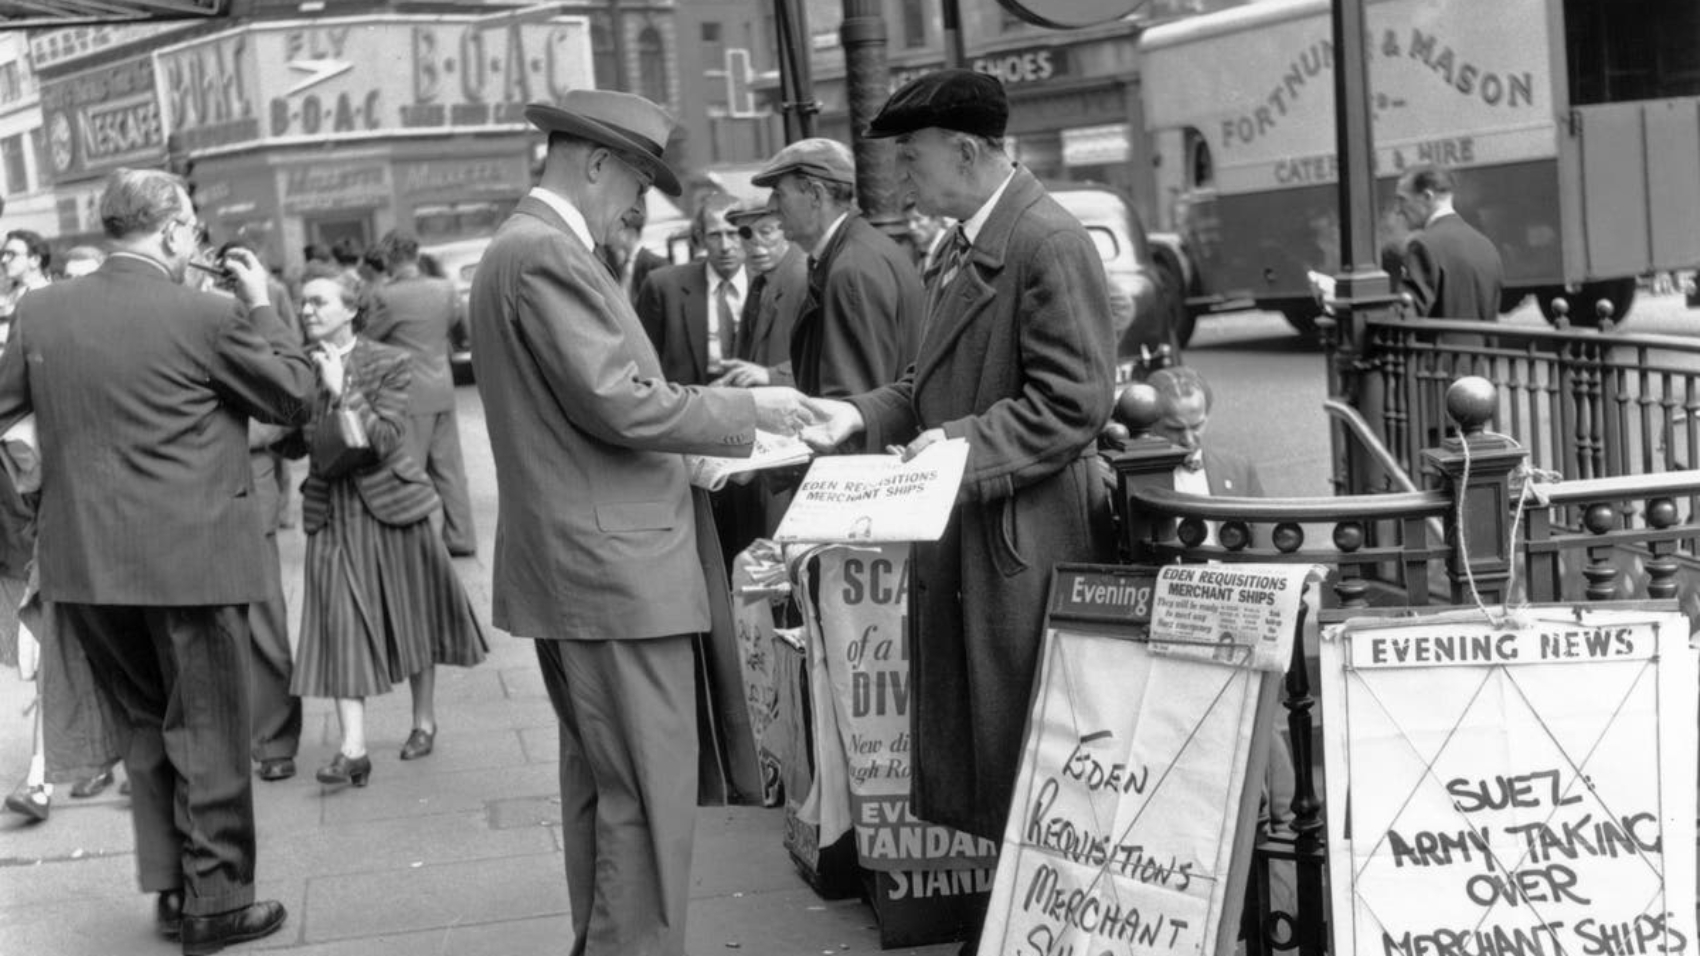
x: 1131, y: 802
x: 1513, y: 789
x: 1237, y: 613
x: 877, y: 497
x: 861, y: 679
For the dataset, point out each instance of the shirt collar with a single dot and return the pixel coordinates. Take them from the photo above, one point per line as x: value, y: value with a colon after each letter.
x: 973, y: 224
x: 826, y: 236
x: 740, y: 280
x: 141, y: 258
x: 567, y: 211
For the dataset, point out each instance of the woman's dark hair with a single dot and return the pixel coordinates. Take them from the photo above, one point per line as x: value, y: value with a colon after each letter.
x: 34, y: 245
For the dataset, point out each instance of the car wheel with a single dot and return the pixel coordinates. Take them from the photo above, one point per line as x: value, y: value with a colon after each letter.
x: 1302, y: 317
x: 1620, y: 292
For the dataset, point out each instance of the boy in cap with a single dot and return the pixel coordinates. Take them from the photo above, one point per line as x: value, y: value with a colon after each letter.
x: 596, y: 554
x: 1017, y: 360
x: 863, y: 318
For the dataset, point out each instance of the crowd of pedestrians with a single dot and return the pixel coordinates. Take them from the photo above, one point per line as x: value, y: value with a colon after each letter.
x: 155, y: 412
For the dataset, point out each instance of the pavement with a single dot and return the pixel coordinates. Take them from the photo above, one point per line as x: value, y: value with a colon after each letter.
x: 458, y: 854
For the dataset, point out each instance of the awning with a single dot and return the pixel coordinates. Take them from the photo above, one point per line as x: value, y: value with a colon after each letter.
x: 44, y: 14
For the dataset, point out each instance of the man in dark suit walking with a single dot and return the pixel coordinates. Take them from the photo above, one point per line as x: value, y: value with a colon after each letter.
x: 1451, y: 270
x: 863, y: 317
x: 150, y: 530
x: 691, y: 311
x: 596, y: 555
x: 417, y: 312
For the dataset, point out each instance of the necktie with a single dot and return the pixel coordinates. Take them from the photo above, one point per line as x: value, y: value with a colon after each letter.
x: 953, y: 252
x: 747, y: 316
x: 728, y: 320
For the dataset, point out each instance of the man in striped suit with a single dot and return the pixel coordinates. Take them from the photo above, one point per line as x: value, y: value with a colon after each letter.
x: 150, y: 530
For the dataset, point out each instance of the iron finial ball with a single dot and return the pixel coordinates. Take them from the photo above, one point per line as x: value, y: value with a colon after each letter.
x: 1471, y: 402
x: 1599, y: 518
x: 1138, y: 408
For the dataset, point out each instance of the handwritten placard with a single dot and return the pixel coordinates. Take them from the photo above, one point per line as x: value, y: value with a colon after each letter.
x: 1513, y: 789
x: 862, y: 692
x: 1131, y: 803
x: 877, y: 497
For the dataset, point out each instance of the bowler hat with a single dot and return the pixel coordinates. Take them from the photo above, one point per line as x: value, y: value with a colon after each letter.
x: 747, y: 210
x: 625, y: 122
x: 821, y: 158
x: 964, y: 100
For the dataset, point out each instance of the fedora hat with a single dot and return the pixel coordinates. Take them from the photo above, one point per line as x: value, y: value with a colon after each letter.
x: 624, y: 122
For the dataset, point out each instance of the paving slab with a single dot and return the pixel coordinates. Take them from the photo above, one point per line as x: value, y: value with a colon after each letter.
x: 440, y: 896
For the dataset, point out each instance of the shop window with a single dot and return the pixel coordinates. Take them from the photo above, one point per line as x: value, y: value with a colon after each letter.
x: 602, y: 60
x: 12, y: 155
x: 449, y: 221
x: 652, y: 65
x: 11, y: 86
x: 914, y: 24
x: 711, y: 34
x: 38, y: 149
x: 1200, y: 168
x: 1625, y: 50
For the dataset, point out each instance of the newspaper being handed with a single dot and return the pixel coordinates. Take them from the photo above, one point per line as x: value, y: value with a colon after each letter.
x: 877, y: 497
x: 771, y: 451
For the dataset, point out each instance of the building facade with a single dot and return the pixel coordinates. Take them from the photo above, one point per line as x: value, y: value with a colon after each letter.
x: 1076, y: 112
x: 24, y: 166
x: 296, y: 127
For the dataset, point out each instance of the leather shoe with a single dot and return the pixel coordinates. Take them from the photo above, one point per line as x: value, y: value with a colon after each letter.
x: 277, y: 768
x: 209, y: 934
x: 33, y: 802
x: 419, y: 744
x: 92, y: 786
x: 346, y: 769
x: 168, y: 914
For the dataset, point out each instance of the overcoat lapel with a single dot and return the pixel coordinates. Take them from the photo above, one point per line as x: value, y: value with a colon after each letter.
x: 696, y: 303
x: 971, y: 290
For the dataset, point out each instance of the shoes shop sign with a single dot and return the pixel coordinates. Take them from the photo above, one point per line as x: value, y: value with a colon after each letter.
x: 364, y: 78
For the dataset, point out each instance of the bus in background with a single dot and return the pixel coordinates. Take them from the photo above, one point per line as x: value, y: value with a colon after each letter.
x: 1573, y: 127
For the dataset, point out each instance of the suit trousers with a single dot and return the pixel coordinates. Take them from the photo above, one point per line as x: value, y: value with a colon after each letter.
x: 434, y: 442
x: 183, y: 727
x: 627, y: 713
x: 276, y: 712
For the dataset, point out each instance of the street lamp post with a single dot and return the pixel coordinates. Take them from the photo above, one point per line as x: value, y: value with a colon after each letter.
x: 865, y: 75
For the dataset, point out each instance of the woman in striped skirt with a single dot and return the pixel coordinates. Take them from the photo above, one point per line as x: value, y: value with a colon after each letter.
x: 382, y: 600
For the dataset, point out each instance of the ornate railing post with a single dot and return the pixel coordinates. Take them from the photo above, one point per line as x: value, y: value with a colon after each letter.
x: 1145, y: 461
x: 1476, y: 468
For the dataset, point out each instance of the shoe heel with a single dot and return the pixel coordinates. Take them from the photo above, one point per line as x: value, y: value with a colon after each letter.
x: 359, y: 777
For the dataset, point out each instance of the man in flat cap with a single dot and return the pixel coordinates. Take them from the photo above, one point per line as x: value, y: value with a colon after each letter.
x: 779, y: 288
x: 1017, y: 360
x: 596, y: 549
x: 862, y: 320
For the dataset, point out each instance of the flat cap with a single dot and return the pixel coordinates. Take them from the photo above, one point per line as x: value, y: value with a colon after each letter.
x: 747, y: 210
x: 964, y: 100
x: 821, y: 158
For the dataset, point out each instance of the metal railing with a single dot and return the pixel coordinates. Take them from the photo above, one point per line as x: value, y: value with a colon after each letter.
x: 1504, y: 542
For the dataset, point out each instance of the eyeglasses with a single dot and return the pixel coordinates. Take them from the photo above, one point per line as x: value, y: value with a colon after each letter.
x: 748, y: 232
x: 645, y: 178
x: 9, y: 254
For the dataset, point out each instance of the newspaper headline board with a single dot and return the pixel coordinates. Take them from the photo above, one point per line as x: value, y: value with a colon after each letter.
x: 1130, y: 830
x: 1512, y: 788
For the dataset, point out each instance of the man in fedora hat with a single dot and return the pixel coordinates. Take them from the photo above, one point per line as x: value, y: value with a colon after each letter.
x: 596, y: 550
x: 859, y: 327
x: 1017, y: 360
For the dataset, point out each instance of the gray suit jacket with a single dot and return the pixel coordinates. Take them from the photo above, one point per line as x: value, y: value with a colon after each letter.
x: 595, y: 536
x: 418, y: 313
x: 142, y: 390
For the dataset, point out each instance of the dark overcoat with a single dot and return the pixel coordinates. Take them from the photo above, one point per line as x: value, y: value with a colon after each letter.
x: 858, y: 327
x: 1452, y: 271
x: 1017, y: 359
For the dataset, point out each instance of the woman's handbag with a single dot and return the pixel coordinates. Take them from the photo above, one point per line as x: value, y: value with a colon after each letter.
x: 339, y: 443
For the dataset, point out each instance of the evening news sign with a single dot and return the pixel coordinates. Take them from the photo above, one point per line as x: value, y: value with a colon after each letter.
x: 364, y: 78
x: 1518, y: 790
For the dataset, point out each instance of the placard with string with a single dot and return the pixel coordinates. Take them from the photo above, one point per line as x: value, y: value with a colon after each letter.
x: 1149, y: 728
